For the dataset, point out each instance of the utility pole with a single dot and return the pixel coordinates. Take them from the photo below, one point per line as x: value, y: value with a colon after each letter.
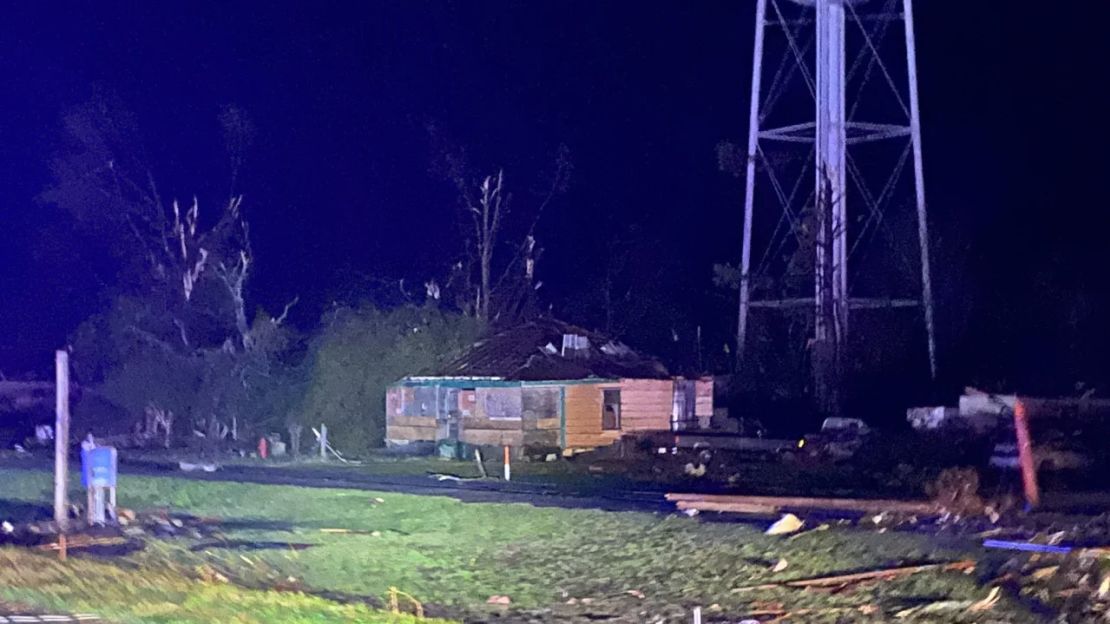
x: 61, y: 439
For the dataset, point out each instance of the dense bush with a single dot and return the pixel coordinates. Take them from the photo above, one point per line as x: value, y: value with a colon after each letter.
x: 126, y: 357
x: 358, y: 352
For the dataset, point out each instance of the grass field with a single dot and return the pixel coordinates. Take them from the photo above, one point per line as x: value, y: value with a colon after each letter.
x: 553, y: 564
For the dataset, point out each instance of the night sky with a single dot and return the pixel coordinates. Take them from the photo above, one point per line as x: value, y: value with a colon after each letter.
x: 338, y: 188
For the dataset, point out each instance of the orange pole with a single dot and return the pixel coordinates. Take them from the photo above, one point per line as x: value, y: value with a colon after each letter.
x: 506, y: 461
x: 1025, y: 455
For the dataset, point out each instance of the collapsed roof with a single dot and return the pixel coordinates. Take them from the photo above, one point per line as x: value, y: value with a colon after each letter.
x: 549, y: 350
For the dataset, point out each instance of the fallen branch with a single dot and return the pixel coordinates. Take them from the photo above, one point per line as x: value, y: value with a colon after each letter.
x: 840, y: 580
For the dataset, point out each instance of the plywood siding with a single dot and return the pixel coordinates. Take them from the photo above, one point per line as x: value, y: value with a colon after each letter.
x: 492, y: 437
x: 488, y: 423
x: 392, y: 402
x: 495, y: 418
x: 542, y: 437
x: 646, y: 404
x: 703, y: 392
x: 583, y: 416
x: 412, y: 434
x: 540, y: 402
x: 399, y: 426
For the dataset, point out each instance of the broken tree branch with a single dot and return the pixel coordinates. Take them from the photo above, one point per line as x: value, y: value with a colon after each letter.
x: 966, y: 566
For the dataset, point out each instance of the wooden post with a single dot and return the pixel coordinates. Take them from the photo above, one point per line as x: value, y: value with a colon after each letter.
x: 323, y: 442
x: 478, y: 460
x: 61, y: 439
x: 1025, y: 455
x: 508, y: 471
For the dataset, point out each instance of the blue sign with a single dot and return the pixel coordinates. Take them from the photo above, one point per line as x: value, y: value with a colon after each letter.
x: 98, y: 467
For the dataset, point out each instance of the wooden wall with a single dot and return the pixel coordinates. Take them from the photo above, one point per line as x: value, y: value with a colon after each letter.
x: 703, y: 401
x: 646, y: 404
x: 480, y: 429
x: 399, y: 427
x: 583, y: 416
x: 530, y: 414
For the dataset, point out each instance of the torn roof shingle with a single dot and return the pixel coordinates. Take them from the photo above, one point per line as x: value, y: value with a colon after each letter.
x: 533, y: 352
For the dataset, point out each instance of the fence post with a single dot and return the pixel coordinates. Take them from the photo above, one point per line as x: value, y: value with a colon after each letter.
x: 61, y: 439
x: 508, y: 471
x: 323, y: 442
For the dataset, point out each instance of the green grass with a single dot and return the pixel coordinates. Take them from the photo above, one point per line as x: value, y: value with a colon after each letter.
x: 455, y: 555
x: 118, y: 594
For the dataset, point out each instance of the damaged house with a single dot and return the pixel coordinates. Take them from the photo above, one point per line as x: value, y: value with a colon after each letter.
x: 544, y: 384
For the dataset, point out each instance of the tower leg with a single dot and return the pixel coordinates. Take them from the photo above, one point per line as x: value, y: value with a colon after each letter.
x: 919, y: 188
x: 749, y: 183
x: 830, y: 261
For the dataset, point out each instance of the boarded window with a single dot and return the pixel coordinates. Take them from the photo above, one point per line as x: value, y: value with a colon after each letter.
x: 540, y: 402
x: 683, y: 417
x: 449, y: 402
x: 611, y: 410
x: 425, y: 402
x: 502, y: 405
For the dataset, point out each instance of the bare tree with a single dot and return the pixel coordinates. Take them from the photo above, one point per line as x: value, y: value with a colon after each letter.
x: 191, y: 271
x: 485, y: 204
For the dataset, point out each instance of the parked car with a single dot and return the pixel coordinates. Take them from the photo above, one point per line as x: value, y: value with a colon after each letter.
x: 838, y: 439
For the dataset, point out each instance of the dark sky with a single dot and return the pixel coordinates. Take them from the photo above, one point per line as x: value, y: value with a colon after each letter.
x: 1014, y: 112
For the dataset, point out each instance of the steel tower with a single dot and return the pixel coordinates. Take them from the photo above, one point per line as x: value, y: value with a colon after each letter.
x: 828, y: 142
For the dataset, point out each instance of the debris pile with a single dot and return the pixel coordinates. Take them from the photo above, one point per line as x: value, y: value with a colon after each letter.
x: 126, y: 534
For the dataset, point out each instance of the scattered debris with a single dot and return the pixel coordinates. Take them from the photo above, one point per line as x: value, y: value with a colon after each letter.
x: 446, y: 477
x: 788, y: 523
x: 190, y: 467
x: 351, y: 532
x: 820, y: 527
x: 694, y: 471
x: 499, y: 600
x: 780, y: 565
x: 948, y: 606
x: 956, y: 491
x: 843, y: 580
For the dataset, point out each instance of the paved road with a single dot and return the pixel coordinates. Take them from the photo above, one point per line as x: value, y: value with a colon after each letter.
x: 467, y: 490
x: 491, y: 491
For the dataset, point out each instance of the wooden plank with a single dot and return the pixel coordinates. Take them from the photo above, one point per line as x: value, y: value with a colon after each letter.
x: 411, y: 421
x: 542, y: 424
x: 393, y: 432
x: 490, y: 437
x: 490, y: 423
x: 727, y: 507
x: 798, y: 502
x: 541, y: 438
x: 579, y: 441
